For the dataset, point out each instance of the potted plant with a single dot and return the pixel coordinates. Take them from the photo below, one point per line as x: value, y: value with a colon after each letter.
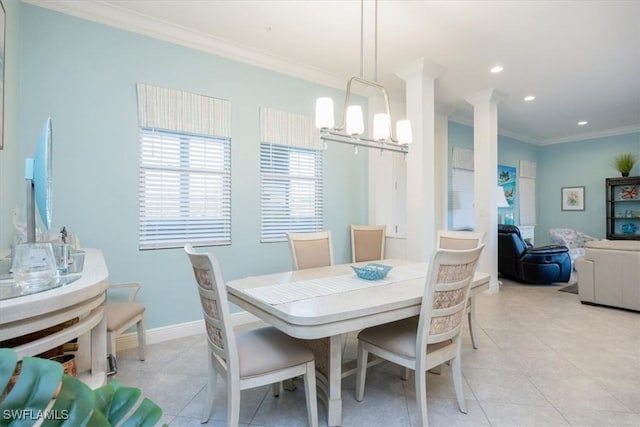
x: 624, y: 163
x: 39, y: 381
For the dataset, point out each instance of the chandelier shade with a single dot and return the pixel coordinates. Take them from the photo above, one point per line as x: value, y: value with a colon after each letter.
x: 352, y: 129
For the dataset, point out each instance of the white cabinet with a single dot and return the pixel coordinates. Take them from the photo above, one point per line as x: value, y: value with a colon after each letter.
x: 84, y: 299
x: 527, y: 232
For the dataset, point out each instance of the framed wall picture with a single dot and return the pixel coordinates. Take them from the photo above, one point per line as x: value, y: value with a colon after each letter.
x: 3, y: 33
x: 572, y: 198
x: 507, y: 180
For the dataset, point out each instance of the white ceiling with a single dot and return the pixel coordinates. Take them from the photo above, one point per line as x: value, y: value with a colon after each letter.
x: 581, y: 59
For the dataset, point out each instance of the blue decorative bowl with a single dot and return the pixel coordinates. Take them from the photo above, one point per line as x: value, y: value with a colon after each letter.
x: 372, y: 271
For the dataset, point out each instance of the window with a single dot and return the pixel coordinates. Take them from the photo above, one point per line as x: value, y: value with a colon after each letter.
x: 185, y: 169
x: 185, y: 189
x: 291, y: 191
x: 290, y: 175
x: 462, y: 186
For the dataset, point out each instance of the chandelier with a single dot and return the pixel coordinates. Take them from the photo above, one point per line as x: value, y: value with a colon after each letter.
x: 351, y: 131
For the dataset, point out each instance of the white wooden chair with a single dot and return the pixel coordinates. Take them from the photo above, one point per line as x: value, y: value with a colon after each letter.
x: 463, y: 240
x: 367, y: 242
x: 250, y: 359
x: 123, y: 315
x: 433, y: 338
x: 311, y: 250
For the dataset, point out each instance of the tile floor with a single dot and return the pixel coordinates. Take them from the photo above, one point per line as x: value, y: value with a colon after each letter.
x: 544, y: 360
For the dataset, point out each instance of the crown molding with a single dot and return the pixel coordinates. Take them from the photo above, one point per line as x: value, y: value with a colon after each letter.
x: 458, y: 118
x: 117, y: 17
x: 624, y: 130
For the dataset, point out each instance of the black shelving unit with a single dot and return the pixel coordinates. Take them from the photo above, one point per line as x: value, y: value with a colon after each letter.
x: 623, y: 208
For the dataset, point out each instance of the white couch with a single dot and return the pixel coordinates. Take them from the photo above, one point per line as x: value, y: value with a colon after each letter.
x: 609, y: 273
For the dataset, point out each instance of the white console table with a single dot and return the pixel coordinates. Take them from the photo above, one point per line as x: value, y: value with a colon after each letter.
x: 528, y: 233
x: 82, y: 298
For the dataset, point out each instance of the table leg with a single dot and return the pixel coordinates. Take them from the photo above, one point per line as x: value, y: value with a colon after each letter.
x: 334, y: 400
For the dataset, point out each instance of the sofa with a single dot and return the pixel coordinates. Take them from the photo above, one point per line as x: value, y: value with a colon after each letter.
x: 536, y: 265
x: 609, y: 274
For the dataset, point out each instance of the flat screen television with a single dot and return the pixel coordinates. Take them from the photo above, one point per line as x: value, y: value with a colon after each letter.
x: 38, y: 181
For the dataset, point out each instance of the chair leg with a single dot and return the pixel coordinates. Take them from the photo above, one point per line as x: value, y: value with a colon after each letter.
x: 233, y: 402
x: 310, y: 392
x: 211, y: 389
x: 405, y: 373
x: 361, y: 370
x: 111, y: 343
x: 421, y: 395
x: 276, y: 387
x: 456, y: 370
x: 142, y: 338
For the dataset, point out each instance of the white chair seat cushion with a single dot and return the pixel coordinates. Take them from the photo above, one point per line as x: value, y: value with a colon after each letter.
x: 119, y: 313
x: 267, y: 349
x: 398, y: 337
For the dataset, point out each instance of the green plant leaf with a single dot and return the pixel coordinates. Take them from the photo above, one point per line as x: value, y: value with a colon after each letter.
x: 74, y: 405
x: 146, y: 415
x: 8, y: 363
x: 36, y: 384
x: 122, y: 401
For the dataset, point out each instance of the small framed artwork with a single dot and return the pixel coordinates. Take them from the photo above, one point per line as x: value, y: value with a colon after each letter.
x: 572, y: 198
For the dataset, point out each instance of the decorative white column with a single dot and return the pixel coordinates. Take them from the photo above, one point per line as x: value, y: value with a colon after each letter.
x: 485, y: 159
x: 419, y: 80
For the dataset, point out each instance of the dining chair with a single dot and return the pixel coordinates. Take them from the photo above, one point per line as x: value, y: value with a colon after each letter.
x: 311, y: 250
x: 250, y: 359
x: 433, y: 338
x: 452, y: 239
x: 367, y: 242
x: 123, y: 315
x: 448, y: 239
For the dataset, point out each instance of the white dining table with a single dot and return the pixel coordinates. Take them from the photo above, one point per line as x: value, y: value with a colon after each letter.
x: 339, y: 304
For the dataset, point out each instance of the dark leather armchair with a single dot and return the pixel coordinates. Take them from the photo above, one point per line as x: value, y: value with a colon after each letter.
x: 519, y: 261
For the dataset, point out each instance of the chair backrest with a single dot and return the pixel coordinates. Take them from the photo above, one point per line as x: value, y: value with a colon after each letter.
x: 367, y: 242
x: 310, y: 250
x: 510, y: 242
x: 215, y: 308
x: 445, y: 296
x: 448, y: 239
x: 511, y: 247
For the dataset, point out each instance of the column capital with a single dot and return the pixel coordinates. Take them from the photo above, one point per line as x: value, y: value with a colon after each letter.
x: 490, y: 96
x: 420, y: 67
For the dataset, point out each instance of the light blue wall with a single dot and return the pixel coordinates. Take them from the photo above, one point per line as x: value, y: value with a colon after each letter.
x: 583, y: 163
x: 84, y: 74
x: 12, y: 185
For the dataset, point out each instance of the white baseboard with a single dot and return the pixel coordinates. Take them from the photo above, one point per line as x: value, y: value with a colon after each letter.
x: 242, y: 321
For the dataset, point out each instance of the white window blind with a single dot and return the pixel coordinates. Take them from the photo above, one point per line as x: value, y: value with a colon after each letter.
x: 462, y: 191
x: 184, y: 169
x: 290, y: 175
x: 527, y: 183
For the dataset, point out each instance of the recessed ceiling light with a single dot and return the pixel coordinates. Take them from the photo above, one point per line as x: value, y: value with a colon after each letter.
x: 496, y: 68
x: 582, y: 123
x: 529, y: 98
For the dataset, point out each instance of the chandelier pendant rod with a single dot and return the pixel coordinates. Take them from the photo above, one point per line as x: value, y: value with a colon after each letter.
x: 361, y: 39
x: 374, y: 85
x: 375, y: 45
